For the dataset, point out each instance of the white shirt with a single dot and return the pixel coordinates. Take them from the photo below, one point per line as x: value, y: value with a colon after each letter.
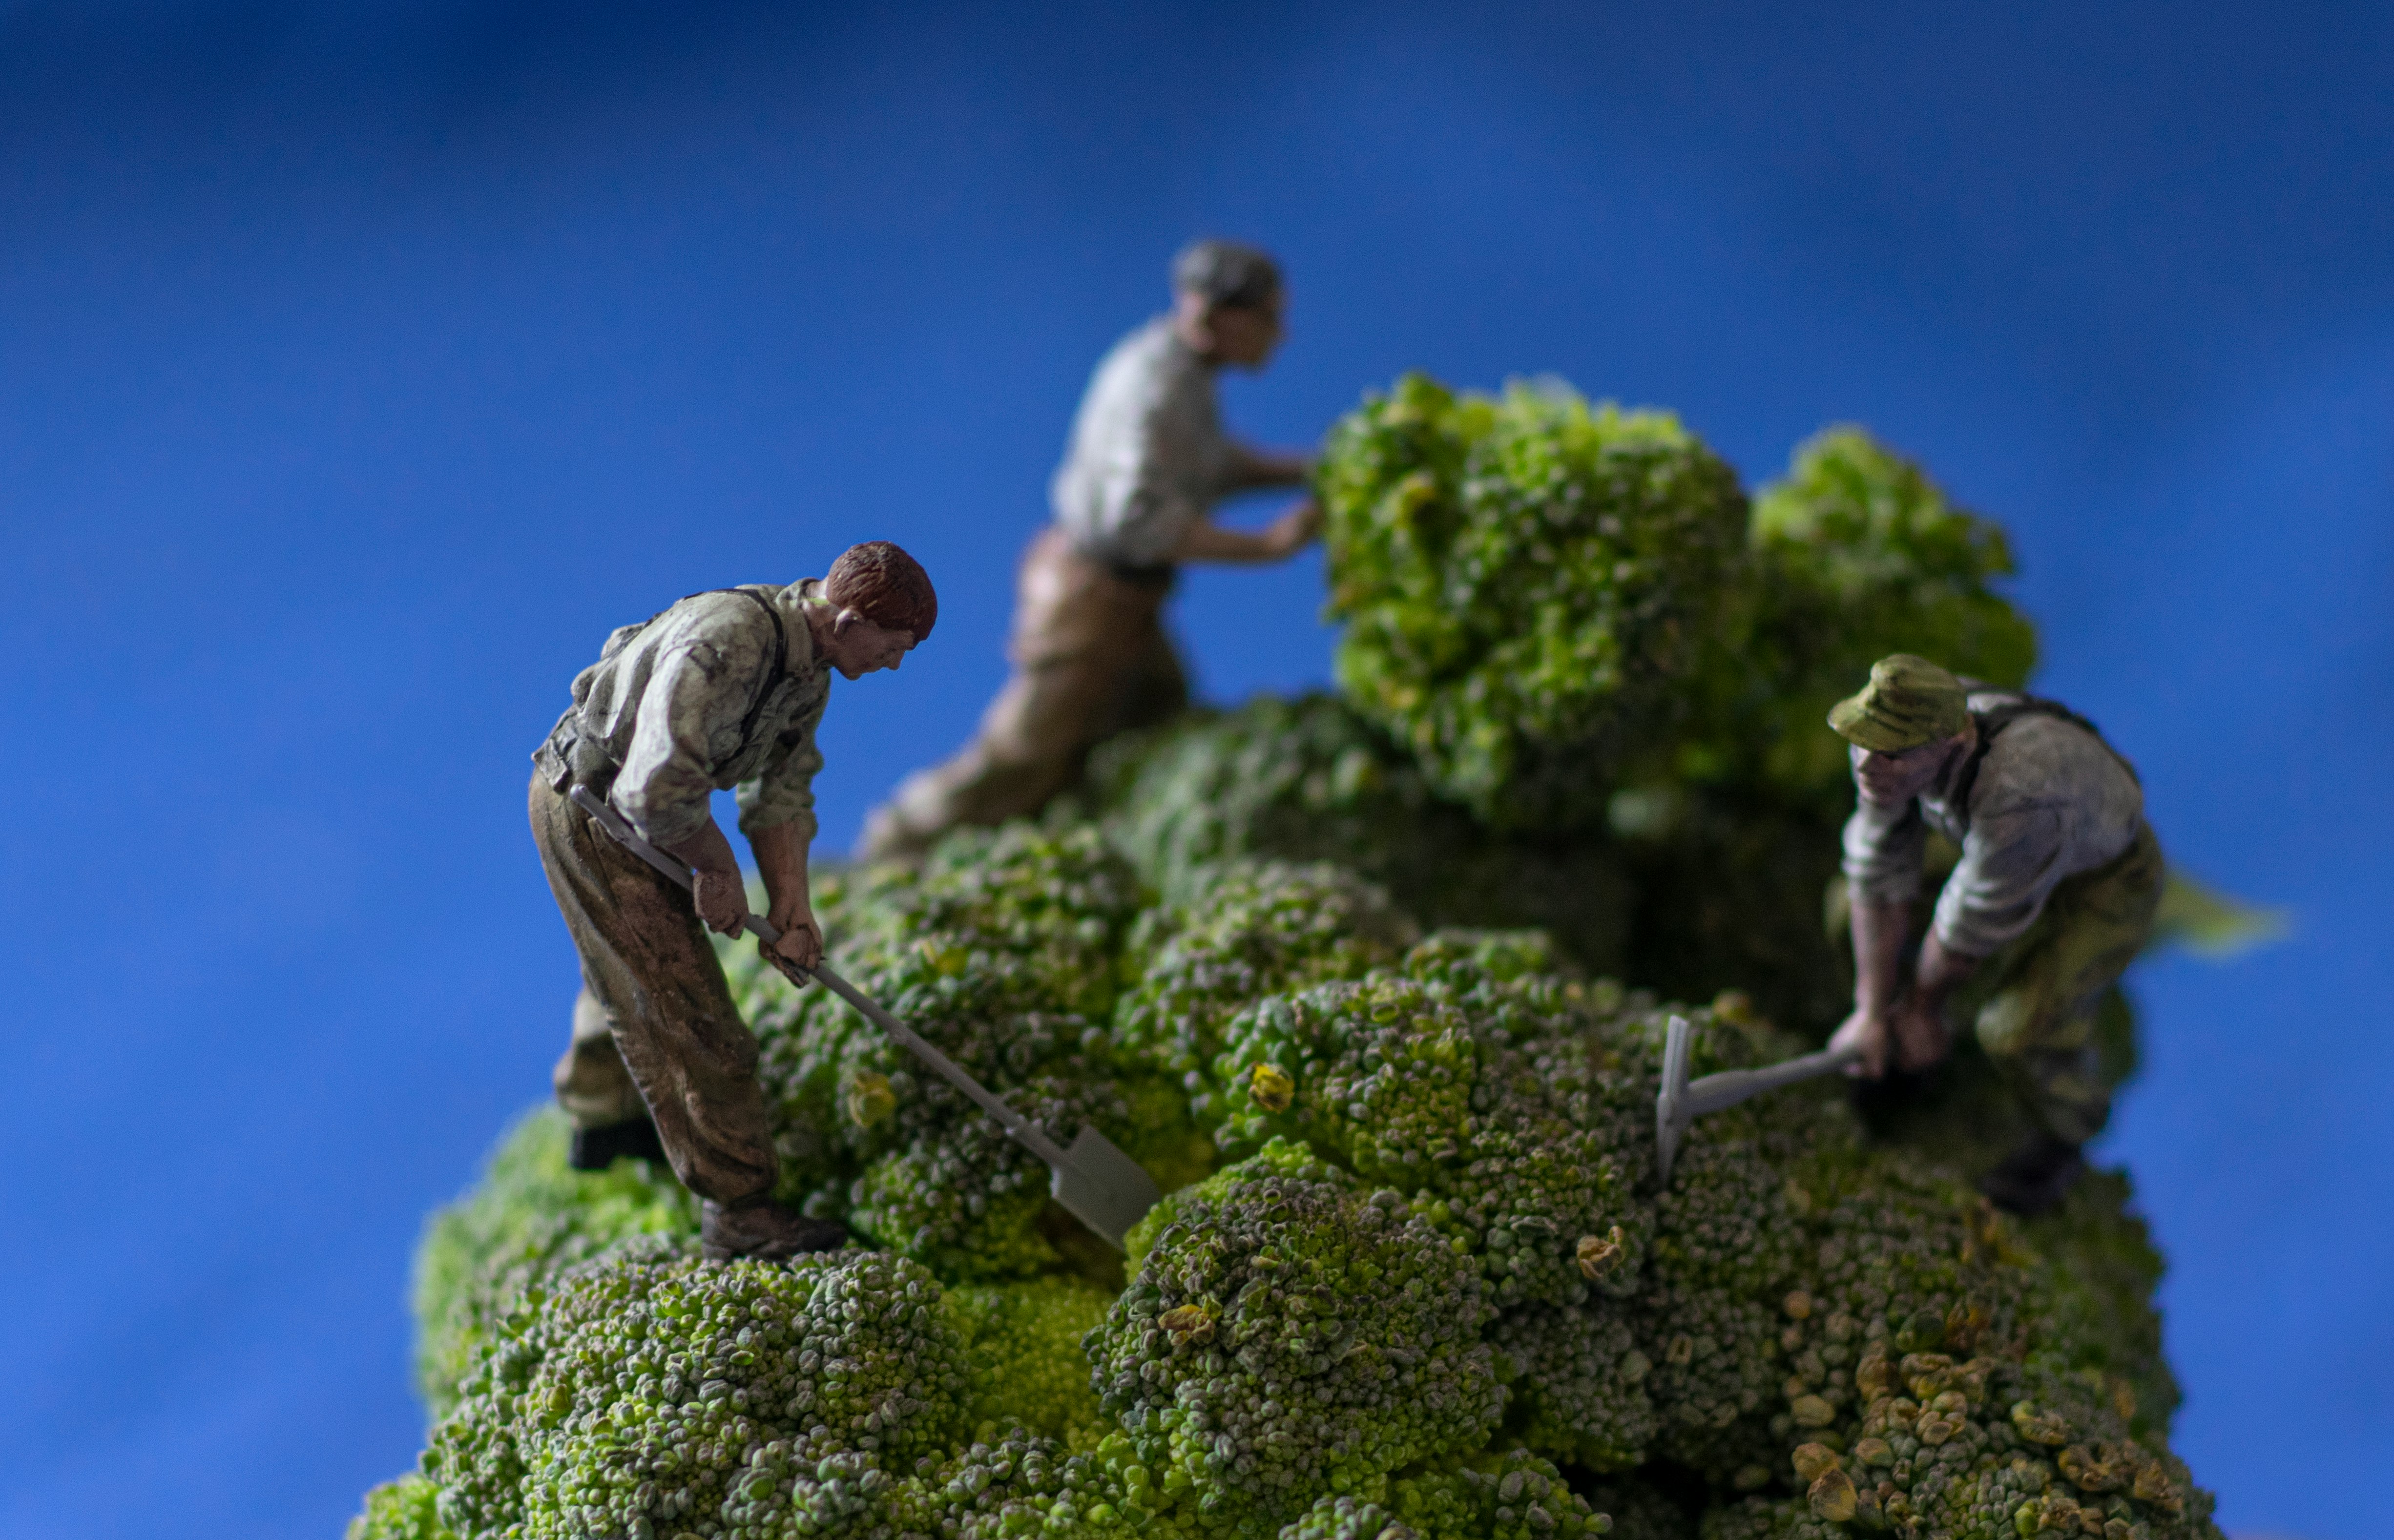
x: 2050, y: 801
x: 1148, y: 455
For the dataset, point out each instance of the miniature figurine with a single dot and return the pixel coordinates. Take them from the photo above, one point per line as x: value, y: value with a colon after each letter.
x: 724, y: 689
x: 1148, y: 460
x: 2055, y: 894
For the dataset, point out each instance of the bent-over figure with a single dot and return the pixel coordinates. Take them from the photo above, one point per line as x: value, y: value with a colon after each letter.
x: 1148, y: 460
x: 2054, y: 896
x: 722, y: 689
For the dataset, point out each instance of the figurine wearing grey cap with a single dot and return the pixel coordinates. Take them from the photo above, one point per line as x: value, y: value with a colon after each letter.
x: 2055, y: 894
x: 1147, y: 462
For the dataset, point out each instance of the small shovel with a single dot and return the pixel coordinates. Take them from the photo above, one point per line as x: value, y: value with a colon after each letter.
x: 1680, y: 1102
x: 1096, y: 1182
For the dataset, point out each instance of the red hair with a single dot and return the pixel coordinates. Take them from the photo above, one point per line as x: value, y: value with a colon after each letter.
x: 885, y: 585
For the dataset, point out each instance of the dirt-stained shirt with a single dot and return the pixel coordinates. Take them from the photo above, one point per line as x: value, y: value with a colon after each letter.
x: 657, y: 723
x: 1148, y: 455
x: 2050, y: 801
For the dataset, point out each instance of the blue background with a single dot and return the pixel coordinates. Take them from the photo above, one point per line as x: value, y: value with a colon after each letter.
x: 362, y: 365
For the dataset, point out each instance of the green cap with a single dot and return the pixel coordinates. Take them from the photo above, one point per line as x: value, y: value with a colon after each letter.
x: 1907, y: 702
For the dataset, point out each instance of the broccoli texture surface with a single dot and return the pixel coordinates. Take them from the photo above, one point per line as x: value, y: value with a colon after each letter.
x: 1376, y: 986
x: 1527, y: 584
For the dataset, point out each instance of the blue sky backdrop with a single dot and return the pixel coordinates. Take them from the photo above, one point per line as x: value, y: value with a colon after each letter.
x: 362, y: 365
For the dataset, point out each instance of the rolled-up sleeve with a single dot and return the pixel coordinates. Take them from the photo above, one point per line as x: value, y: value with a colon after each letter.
x: 1883, y: 852
x: 784, y: 793
x: 664, y: 783
x: 2010, y: 863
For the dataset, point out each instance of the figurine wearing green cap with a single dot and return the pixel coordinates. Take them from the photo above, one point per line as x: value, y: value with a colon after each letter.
x: 2053, y: 897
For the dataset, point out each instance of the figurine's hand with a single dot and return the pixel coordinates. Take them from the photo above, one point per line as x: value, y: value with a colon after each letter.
x: 1921, y: 1039
x: 1866, y: 1031
x: 801, y: 941
x: 1293, y: 530
x: 721, y: 898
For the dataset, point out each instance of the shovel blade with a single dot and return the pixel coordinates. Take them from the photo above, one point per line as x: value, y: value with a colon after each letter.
x: 1103, y: 1188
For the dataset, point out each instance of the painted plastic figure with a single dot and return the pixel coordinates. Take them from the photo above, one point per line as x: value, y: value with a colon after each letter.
x: 1148, y: 461
x: 722, y: 689
x: 2054, y: 896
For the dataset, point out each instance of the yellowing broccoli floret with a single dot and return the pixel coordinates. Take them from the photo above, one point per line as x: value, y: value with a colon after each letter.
x: 1289, y: 1333
x: 651, y: 1389
x: 531, y: 1217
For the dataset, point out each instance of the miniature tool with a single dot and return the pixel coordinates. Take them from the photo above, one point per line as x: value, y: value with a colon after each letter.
x: 1680, y: 1101
x: 1096, y: 1182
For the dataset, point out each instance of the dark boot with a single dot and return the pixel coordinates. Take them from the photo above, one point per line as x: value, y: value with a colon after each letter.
x: 597, y: 1149
x: 2035, y: 1177
x: 764, y: 1230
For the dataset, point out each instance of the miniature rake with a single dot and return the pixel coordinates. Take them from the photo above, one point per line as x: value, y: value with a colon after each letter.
x: 1680, y: 1101
x: 1093, y: 1179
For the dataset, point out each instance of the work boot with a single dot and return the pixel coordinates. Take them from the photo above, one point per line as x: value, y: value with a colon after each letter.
x: 597, y: 1149
x: 764, y: 1230
x: 2035, y: 1177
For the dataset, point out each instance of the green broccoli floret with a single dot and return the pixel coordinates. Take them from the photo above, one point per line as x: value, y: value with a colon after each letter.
x: 1859, y: 555
x: 1246, y: 930
x: 1478, y: 1101
x: 1308, y: 780
x: 1515, y: 1495
x: 1289, y: 1334
x: 531, y: 1217
x: 1024, y: 1338
x: 403, y: 1510
x: 650, y: 1389
x: 1003, y: 952
x: 1528, y: 584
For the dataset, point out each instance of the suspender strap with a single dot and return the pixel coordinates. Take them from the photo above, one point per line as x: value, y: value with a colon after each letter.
x: 781, y: 659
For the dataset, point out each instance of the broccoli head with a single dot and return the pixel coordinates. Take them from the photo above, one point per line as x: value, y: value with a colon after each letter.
x: 648, y: 1389
x: 1308, y: 780
x: 1860, y: 555
x: 531, y: 1217
x: 403, y: 1510
x: 1246, y: 930
x: 1289, y: 1332
x: 1528, y: 584
x: 1475, y: 1096
x: 1003, y: 952
x: 1023, y: 1337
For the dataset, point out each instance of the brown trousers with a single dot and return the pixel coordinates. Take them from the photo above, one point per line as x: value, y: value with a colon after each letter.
x: 1090, y: 660
x: 655, y: 1025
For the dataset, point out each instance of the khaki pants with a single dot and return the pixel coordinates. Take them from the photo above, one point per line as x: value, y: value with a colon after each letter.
x: 654, y: 1026
x: 2039, y: 998
x: 1090, y: 660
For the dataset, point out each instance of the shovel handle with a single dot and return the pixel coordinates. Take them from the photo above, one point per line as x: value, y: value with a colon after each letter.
x: 1024, y: 1131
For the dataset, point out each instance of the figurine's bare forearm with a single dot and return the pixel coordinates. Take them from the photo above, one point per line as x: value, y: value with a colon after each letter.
x: 707, y: 851
x: 1940, y: 972
x: 1284, y: 537
x: 1879, y: 931
x: 1206, y: 541
x: 782, y: 862
x: 1263, y: 468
